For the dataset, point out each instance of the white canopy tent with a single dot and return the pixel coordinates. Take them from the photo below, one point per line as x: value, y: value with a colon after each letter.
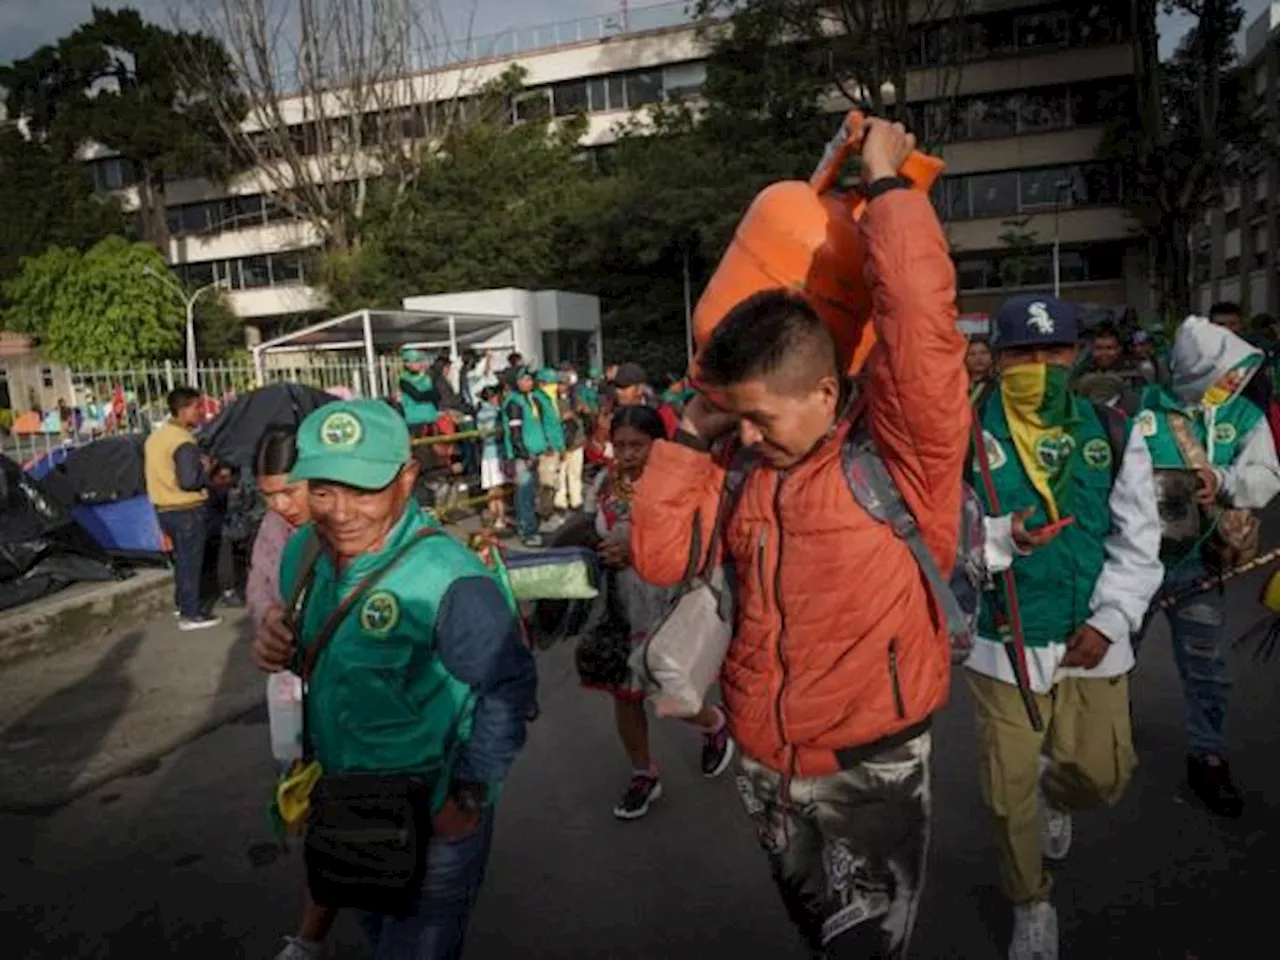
x: 376, y: 331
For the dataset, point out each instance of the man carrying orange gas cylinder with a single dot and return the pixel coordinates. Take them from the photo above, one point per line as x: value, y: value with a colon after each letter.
x: 839, y: 657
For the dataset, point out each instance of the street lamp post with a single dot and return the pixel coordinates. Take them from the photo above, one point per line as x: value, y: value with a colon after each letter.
x: 1059, y: 187
x: 189, y: 303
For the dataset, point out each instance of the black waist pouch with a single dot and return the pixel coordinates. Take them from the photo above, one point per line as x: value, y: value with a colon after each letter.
x: 366, y: 845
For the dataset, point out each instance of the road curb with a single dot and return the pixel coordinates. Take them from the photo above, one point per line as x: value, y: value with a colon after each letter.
x: 141, y: 763
x: 82, y: 613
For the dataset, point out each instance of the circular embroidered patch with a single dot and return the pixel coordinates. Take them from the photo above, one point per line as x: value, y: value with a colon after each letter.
x: 1225, y: 433
x: 380, y: 613
x: 1147, y: 423
x: 1097, y: 453
x: 1052, y: 452
x: 996, y: 457
x: 341, y: 429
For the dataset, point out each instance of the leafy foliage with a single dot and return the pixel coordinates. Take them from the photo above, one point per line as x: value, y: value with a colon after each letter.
x: 1175, y: 144
x: 46, y: 201
x: 97, y: 309
x: 124, y: 83
x: 492, y: 207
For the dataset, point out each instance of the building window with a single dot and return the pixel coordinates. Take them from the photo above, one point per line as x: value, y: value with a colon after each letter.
x: 1004, y: 268
x: 533, y: 106
x: 287, y: 270
x: 1042, y: 110
x: 570, y: 98
x: 1029, y: 191
x: 1232, y: 220
x: 113, y: 173
x: 994, y: 194
x: 46, y: 377
x: 643, y: 87
x: 684, y: 79
x: 1047, y: 187
x: 255, y: 272
x: 992, y: 116
x: 1231, y: 267
x: 1041, y: 30
x: 198, y: 274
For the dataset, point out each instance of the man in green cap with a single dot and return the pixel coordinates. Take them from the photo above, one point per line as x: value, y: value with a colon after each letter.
x: 426, y: 674
x: 418, y: 394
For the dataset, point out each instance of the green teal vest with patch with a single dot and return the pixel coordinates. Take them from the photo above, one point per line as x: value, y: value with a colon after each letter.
x: 380, y: 699
x: 418, y: 412
x: 1232, y: 424
x: 1055, y: 582
x: 535, y: 428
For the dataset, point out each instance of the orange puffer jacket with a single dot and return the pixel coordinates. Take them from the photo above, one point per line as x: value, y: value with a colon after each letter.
x: 838, y: 652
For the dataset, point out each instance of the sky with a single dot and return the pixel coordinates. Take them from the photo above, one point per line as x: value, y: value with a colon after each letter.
x: 26, y: 24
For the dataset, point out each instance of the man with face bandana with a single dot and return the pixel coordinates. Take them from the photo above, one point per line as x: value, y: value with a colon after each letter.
x: 1213, y: 449
x: 1082, y: 535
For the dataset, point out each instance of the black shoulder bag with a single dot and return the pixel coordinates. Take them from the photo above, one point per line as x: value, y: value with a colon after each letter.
x: 367, y: 833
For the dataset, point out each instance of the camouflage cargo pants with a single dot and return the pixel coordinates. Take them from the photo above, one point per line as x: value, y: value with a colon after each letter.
x: 848, y: 851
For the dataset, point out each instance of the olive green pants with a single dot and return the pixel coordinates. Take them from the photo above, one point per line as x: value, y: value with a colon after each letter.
x: 1089, y: 742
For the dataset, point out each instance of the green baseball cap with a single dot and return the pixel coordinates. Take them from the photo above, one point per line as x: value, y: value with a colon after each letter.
x: 410, y: 355
x: 360, y: 443
x: 547, y: 375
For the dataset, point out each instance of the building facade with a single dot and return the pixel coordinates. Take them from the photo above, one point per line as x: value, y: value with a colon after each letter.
x: 1232, y: 254
x: 1018, y: 118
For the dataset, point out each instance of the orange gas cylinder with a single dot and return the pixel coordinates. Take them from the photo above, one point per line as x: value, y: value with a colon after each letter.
x: 804, y: 237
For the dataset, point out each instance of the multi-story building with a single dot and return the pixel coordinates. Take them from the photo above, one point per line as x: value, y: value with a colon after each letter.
x: 1019, y: 127
x: 1232, y: 255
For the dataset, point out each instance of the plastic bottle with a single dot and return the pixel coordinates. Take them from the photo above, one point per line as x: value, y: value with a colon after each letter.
x: 284, y: 716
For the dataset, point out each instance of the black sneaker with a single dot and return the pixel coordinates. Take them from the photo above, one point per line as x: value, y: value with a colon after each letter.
x: 231, y: 599
x: 1210, y: 780
x: 717, y: 752
x: 644, y: 790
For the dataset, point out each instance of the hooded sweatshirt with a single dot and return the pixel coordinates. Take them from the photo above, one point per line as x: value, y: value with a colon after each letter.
x: 1212, y: 372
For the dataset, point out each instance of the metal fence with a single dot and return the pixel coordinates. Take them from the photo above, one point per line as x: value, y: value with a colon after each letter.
x: 132, y: 401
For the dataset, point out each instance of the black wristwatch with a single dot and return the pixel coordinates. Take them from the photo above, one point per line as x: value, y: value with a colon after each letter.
x: 884, y: 185
x: 468, y: 795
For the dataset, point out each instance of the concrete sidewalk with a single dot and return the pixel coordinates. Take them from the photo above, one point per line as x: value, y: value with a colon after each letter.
x: 75, y: 718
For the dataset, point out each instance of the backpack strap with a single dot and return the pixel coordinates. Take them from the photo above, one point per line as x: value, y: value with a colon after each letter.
x: 873, y: 487
x: 311, y: 550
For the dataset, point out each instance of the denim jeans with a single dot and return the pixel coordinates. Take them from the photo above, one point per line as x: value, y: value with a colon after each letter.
x: 1197, y: 625
x: 526, y: 498
x: 186, y: 530
x: 437, y: 928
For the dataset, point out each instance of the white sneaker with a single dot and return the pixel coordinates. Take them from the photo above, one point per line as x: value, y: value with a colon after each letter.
x: 1035, y: 932
x: 1055, y: 825
x: 199, y: 623
x: 295, y: 949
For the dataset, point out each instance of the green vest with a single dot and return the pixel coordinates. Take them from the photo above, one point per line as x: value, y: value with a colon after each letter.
x: 380, y: 699
x: 418, y: 413
x: 1054, y: 582
x: 1232, y: 423
x: 541, y: 432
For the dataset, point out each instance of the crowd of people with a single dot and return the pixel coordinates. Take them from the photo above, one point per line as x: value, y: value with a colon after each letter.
x: 1098, y: 510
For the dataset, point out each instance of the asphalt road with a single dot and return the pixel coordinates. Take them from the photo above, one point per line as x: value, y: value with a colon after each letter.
x: 177, y: 860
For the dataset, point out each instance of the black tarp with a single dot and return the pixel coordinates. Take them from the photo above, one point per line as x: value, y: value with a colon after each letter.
x: 103, y: 471
x: 42, y: 549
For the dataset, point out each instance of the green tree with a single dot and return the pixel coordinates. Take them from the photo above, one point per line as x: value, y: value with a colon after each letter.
x: 97, y: 309
x: 219, y: 332
x: 126, y: 84
x: 1020, y: 245
x: 46, y: 201
x: 1174, y: 143
x: 492, y: 207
